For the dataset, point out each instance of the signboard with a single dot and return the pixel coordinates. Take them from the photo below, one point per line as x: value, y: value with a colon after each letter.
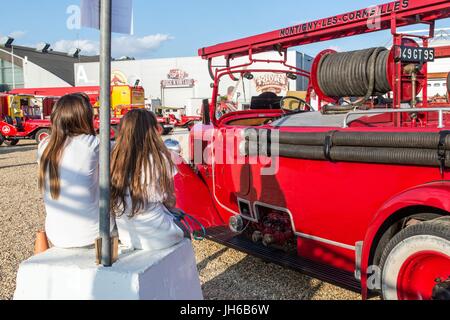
x: 122, y: 15
x: 178, y: 78
x: 416, y: 54
x: 271, y: 82
x: 118, y: 78
x: 355, y: 16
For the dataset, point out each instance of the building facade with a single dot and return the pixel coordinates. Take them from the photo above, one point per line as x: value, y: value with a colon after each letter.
x: 24, y: 67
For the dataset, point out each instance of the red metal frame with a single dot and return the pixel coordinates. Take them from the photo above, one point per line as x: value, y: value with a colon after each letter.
x: 403, y: 13
x: 390, y: 16
x: 443, y: 52
x: 237, y: 69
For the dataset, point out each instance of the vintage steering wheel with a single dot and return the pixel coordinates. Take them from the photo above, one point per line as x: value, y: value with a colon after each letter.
x: 307, y: 106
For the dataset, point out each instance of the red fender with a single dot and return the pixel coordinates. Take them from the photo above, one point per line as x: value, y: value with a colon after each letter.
x: 193, y: 197
x: 434, y: 195
x: 7, y: 130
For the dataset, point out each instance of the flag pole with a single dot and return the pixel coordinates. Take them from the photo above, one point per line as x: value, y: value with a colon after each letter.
x: 105, y: 129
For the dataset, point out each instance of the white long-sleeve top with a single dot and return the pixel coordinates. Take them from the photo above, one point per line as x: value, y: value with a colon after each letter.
x: 72, y: 220
x: 153, y: 228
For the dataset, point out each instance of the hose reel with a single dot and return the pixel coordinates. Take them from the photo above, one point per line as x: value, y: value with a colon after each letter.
x: 362, y: 74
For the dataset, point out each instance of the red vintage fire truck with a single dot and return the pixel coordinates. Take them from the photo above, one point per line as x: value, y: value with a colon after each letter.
x: 356, y: 191
x: 21, y: 119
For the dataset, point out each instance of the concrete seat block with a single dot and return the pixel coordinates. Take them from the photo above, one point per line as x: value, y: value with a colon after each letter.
x: 60, y: 274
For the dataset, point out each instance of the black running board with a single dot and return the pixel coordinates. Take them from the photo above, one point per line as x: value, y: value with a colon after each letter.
x: 343, y: 279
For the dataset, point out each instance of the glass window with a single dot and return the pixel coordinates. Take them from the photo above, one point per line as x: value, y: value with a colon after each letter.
x: 10, y: 76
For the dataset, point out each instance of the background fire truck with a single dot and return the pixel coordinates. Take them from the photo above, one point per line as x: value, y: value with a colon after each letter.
x: 123, y: 98
x: 177, y: 117
x: 21, y: 118
x: 25, y: 113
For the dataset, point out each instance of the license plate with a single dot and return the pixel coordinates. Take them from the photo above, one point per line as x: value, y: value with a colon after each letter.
x: 416, y: 54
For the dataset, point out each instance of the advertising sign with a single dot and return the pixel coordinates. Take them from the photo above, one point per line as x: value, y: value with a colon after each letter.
x: 178, y: 78
x: 122, y: 15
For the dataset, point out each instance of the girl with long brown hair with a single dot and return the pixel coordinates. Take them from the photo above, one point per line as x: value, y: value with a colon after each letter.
x: 142, y: 184
x: 68, y: 174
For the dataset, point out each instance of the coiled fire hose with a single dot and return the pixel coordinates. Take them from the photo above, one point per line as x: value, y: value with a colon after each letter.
x: 188, y: 222
x: 361, y: 73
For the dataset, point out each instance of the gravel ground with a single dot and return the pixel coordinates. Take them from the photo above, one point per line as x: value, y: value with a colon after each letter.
x: 224, y: 273
x: 21, y: 211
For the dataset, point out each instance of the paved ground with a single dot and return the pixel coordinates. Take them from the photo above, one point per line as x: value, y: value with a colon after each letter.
x: 224, y: 273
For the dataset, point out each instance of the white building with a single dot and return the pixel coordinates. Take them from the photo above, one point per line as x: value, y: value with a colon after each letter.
x: 439, y: 69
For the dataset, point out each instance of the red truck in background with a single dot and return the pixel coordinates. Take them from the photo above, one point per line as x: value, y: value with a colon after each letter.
x: 123, y: 98
x: 177, y: 117
x: 25, y: 113
x: 22, y: 119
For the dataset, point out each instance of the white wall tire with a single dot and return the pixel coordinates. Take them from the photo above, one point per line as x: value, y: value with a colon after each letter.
x: 426, y: 241
x: 41, y: 135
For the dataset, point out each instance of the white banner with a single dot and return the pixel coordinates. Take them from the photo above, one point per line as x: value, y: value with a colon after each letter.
x: 122, y: 15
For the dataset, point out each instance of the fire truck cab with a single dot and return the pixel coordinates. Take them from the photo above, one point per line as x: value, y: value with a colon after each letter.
x: 22, y: 118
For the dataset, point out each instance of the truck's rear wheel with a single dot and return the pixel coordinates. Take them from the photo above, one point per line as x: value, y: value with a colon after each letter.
x: 2, y: 139
x: 11, y: 143
x: 41, y: 135
x: 416, y: 260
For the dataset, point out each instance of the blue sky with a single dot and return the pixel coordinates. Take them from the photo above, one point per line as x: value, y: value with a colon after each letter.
x: 174, y: 28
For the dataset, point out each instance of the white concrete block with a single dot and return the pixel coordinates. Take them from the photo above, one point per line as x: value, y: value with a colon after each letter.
x: 60, y: 274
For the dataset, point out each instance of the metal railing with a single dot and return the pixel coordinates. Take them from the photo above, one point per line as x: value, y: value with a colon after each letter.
x: 440, y: 111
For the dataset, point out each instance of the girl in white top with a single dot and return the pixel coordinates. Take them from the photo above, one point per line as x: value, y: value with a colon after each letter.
x: 68, y: 174
x: 142, y: 185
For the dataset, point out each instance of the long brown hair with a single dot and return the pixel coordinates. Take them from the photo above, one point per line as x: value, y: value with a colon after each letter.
x: 140, y: 159
x: 72, y: 116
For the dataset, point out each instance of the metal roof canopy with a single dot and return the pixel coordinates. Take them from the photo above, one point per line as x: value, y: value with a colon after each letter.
x: 372, y: 19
